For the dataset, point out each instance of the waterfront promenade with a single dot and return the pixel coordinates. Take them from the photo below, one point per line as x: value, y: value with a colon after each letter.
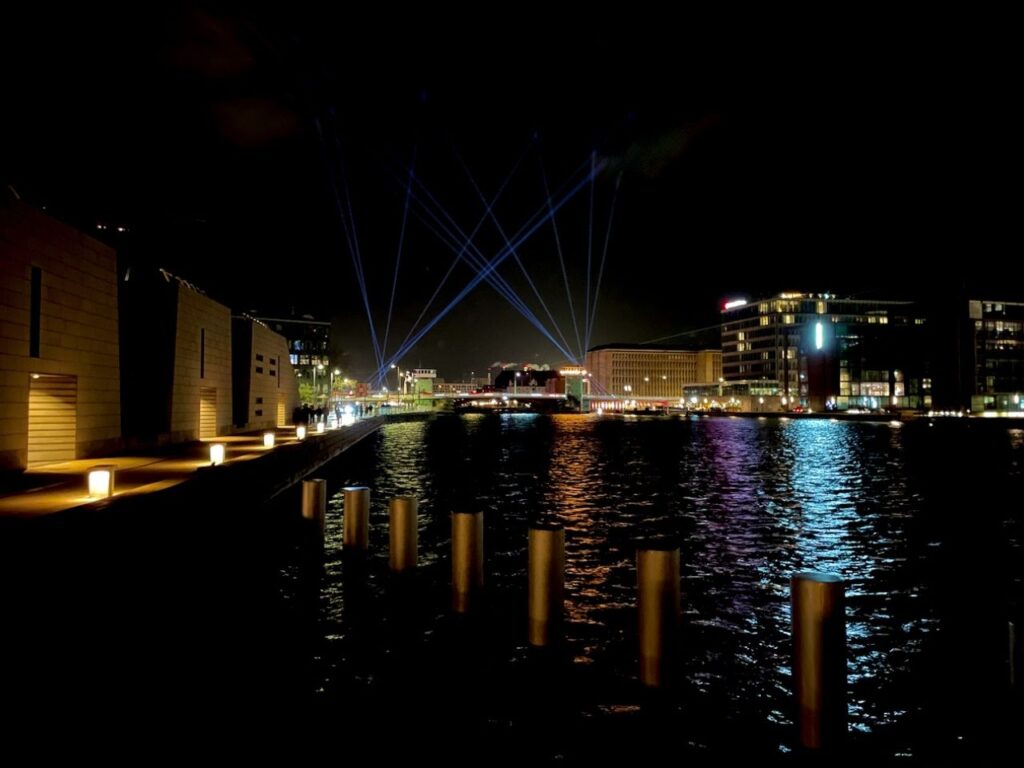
x: 61, y: 487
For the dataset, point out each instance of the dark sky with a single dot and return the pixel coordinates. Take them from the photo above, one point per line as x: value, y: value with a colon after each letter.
x: 871, y: 156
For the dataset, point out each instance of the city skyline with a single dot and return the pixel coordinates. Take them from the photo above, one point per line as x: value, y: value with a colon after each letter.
x: 739, y: 162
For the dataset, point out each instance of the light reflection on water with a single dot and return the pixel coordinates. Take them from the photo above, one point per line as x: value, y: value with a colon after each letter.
x: 751, y: 501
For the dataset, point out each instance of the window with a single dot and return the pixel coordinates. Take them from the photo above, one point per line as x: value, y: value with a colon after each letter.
x: 259, y: 400
x: 259, y: 411
x: 259, y: 358
x: 37, y: 301
x: 259, y: 369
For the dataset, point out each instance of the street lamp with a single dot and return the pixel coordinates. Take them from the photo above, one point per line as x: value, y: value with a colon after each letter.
x: 316, y: 392
x: 335, y: 372
x: 515, y: 384
x: 398, y: 376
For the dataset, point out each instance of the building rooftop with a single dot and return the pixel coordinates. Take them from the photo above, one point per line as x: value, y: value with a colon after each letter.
x: 740, y: 302
x: 654, y: 347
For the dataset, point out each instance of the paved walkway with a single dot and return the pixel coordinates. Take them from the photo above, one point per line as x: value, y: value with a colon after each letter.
x: 57, y: 487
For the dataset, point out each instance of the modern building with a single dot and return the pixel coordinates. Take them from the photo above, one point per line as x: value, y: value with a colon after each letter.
x: 822, y: 351
x: 265, y: 388
x: 176, y: 362
x: 995, y: 355
x: 524, y: 382
x: 442, y: 387
x: 308, y: 347
x: 640, y: 370
x: 422, y: 384
x: 755, y: 396
x: 60, y: 382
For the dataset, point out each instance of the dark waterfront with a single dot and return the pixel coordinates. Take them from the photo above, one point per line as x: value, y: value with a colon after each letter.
x: 220, y: 611
x: 923, y: 521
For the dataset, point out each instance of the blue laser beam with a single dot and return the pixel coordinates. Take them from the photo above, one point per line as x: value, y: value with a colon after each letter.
x: 515, y: 255
x: 398, y: 257
x: 353, y: 248
x: 561, y: 262
x: 466, y: 243
x: 590, y: 241
x: 500, y: 286
x: 502, y: 254
x: 604, y: 258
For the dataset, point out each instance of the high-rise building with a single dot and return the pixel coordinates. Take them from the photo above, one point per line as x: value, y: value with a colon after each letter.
x: 822, y: 351
x: 995, y: 355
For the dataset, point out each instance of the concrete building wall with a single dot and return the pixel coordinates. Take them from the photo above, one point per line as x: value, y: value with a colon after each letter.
x: 633, y: 371
x: 77, y: 329
x: 265, y: 384
x: 709, y: 366
x: 202, y: 361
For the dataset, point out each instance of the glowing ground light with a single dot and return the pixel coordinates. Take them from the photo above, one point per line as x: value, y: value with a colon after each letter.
x: 216, y: 454
x: 319, y: 427
x: 101, y: 481
x: 268, y: 439
x: 300, y: 434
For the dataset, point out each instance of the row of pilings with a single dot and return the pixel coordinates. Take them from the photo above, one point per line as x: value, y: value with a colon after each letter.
x: 817, y: 600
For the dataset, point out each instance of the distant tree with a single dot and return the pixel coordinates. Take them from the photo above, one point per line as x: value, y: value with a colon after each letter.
x: 306, y: 392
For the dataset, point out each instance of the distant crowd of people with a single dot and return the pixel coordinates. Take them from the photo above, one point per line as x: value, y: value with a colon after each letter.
x: 305, y: 414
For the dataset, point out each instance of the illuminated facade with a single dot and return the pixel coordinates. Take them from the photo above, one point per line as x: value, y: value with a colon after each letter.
x: 177, y: 340
x: 265, y: 389
x: 637, y: 370
x: 59, y: 347
x: 825, y: 352
x: 997, y: 362
x: 308, y: 346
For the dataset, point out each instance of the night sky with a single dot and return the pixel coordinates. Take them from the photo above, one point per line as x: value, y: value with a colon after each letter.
x: 858, y: 156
